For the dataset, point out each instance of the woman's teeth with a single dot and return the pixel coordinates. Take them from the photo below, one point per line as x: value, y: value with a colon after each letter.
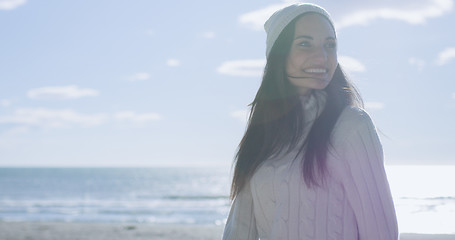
x: 315, y: 70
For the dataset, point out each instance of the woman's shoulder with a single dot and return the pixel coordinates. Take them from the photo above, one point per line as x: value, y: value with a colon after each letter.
x: 353, y: 114
x: 352, y: 119
x: 353, y: 132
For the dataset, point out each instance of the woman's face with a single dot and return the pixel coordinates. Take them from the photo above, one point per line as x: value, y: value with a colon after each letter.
x: 312, y: 58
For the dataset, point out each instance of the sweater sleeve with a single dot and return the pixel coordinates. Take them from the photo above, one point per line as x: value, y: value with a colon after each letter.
x: 364, y: 178
x: 241, y: 223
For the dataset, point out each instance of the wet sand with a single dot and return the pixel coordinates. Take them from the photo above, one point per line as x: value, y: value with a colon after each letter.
x: 106, y: 231
x: 112, y: 231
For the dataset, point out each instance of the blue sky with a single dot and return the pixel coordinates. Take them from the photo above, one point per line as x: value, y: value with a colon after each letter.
x: 142, y: 83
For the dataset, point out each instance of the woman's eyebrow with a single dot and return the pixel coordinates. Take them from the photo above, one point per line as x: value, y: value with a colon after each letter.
x: 311, y: 38
x: 304, y: 36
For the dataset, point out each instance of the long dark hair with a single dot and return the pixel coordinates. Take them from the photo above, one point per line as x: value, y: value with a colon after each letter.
x: 276, y: 119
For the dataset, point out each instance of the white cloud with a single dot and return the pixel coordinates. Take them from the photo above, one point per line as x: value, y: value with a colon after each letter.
x: 173, y: 62
x: 411, y: 15
x: 139, y: 77
x: 445, y: 56
x: 25, y: 118
x: 243, y: 68
x: 11, y: 4
x: 5, y: 103
x: 65, y: 92
x: 130, y: 116
x: 453, y: 95
x: 47, y: 118
x: 256, y: 19
x: 241, y: 115
x: 350, y: 64
x: 419, y: 63
x: 374, y: 105
x: 208, y: 35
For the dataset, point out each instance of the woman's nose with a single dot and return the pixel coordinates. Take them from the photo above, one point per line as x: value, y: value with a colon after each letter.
x: 320, y: 54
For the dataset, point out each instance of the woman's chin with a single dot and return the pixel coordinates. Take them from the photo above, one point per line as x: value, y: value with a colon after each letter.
x: 314, y: 85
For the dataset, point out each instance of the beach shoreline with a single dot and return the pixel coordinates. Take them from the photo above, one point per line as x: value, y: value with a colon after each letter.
x: 136, y: 231
x: 106, y: 231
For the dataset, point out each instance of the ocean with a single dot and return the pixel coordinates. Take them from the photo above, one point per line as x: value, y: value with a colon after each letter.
x: 424, y: 195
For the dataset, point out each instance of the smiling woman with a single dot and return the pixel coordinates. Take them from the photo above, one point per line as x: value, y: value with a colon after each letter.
x: 310, y: 164
x: 312, y: 58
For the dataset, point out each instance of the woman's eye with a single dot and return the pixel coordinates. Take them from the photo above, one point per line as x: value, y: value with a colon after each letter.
x: 331, y: 45
x: 304, y: 44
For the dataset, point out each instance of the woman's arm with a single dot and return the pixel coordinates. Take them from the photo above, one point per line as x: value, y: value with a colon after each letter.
x: 364, y: 178
x: 241, y: 223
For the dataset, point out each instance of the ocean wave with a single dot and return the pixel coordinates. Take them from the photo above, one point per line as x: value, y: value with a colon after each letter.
x: 186, y: 197
x: 445, y: 198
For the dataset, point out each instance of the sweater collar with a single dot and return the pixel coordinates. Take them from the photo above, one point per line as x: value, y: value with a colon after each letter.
x: 313, y: 104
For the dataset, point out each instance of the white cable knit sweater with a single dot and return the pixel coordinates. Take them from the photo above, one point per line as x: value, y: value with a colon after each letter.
x: 354, y: 203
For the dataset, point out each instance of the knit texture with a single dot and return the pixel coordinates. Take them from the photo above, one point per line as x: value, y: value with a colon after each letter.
x: 354, y: 203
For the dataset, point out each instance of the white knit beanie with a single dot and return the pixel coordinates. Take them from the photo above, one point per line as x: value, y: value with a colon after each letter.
x: 281, y: 18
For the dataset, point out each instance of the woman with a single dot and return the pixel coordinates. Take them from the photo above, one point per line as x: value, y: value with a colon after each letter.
x: 310, y: 165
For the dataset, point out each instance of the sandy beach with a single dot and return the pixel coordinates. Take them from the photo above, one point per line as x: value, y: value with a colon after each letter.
x: 107, y: 231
